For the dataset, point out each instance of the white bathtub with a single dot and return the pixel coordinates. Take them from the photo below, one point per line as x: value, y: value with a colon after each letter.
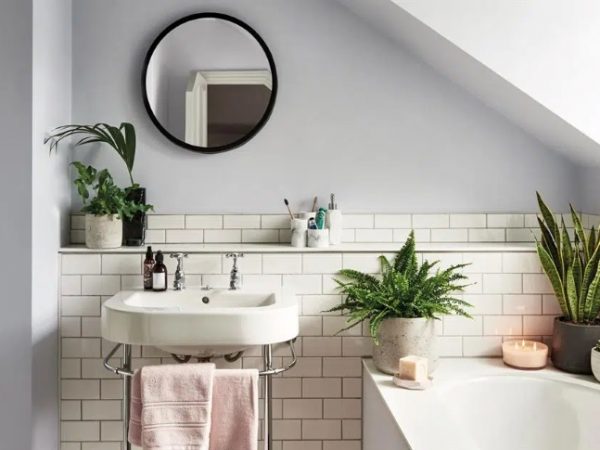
x: 480, y: 404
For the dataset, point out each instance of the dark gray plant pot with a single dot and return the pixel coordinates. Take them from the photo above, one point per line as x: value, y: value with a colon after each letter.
x: 571, y: 344
x: 134, y: 229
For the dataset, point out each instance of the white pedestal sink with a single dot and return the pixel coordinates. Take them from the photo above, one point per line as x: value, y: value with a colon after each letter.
x: 200, y: 322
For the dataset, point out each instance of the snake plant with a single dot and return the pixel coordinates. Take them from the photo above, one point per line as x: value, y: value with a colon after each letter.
x: 570, y: 264
x: 404, y: 289
x: 121, y: 139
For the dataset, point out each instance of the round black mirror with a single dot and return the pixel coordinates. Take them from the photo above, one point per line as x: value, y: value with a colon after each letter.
x: 209, y: 82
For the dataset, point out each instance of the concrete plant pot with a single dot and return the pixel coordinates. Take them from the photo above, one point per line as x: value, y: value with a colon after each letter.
x: 595, y: 362
x: 400, y: 337
x: 571, y: 343
x: 103, y: 231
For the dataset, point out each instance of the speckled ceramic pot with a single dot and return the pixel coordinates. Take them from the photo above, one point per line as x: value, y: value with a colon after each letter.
x: 318, y: 238
x: 103, y: 231
x: 403, y: 337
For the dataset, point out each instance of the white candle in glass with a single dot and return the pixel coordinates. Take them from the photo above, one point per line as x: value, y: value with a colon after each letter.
x: 525, y: 354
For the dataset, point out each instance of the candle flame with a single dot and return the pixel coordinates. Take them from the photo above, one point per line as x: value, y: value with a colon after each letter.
x: 523, y: 343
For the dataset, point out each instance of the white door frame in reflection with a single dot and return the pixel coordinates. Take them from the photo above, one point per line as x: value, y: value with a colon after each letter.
x: 196, y: 104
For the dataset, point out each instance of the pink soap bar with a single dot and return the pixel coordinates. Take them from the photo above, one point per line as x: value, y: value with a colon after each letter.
x: 413, y: 368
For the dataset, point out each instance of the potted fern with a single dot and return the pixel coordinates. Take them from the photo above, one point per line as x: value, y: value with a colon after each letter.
x: 105, y: 205
x: 122, y: 139
x: 572, y: 266
x: 402, y: 304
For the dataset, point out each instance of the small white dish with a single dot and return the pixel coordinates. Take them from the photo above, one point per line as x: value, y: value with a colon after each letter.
x: 411, y: 384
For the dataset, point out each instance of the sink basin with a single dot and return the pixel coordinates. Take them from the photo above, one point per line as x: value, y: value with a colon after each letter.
x: 200, y: 322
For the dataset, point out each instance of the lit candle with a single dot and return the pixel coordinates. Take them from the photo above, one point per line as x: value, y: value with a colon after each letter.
x: 525, y: 354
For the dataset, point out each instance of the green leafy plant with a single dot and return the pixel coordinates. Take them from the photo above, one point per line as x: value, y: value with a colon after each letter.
x: 122, y: 139
x: 403, y: 289
x: 597, y: 347
x: 571, y: 265
x: 108, y: 198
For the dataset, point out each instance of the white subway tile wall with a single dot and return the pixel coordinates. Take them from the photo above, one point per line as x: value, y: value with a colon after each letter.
x: 317, y: 403
x: 274, y: 228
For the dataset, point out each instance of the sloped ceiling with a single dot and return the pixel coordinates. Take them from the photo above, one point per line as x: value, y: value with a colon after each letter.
x: 515, y: 100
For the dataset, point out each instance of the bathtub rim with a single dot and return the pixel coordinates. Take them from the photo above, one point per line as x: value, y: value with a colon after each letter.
x: 408, y: 408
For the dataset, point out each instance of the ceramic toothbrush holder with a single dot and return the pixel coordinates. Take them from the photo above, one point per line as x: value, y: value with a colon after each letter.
x: 298, y: 227
x: 318, y: 238
x: 334, y: 223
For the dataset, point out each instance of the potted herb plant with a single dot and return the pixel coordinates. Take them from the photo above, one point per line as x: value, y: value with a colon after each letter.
x: 123, y: 140
x: 402, y: 304
x: 595, y: 361
x: 572, y: 268
x: 105, y: 209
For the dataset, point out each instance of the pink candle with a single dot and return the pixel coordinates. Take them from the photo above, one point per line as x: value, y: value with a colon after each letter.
x: 525, y: 354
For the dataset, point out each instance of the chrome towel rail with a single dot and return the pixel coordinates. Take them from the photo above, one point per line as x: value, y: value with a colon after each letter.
x: 268, y: 370
x: 127, y: 372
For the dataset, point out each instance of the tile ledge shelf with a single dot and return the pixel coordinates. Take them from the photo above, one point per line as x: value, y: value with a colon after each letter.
x: 342, y: 248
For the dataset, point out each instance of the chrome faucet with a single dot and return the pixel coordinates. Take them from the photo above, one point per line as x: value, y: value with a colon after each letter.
x: 235, y: 282
x: 179, y: 280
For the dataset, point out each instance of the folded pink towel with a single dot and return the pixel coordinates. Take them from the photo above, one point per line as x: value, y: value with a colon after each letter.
x: 194, y: 407
x: 171, y: 407
x: 235, y: 410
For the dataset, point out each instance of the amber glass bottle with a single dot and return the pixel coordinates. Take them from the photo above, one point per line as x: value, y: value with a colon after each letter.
x: 159, y: 273
x: 148, y: 267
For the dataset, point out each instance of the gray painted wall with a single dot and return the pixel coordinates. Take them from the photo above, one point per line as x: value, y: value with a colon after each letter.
x: 51, y: 203
x: 590, y: 189
x: 454, y: 62
x: 356, y: 114
x: 15, y: 235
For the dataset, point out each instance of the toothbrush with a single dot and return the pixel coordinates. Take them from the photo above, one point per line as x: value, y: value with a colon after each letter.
x: 314, y: 207
x: 332, y: 205
x: 287, y: 204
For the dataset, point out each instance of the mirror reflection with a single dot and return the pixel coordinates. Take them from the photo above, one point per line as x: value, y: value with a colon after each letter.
x: 209, y: 83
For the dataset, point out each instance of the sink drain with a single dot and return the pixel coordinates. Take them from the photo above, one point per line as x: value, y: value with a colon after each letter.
x: 205, y: 300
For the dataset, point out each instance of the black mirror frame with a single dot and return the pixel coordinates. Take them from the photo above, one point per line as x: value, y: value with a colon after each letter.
x: 261, y: 122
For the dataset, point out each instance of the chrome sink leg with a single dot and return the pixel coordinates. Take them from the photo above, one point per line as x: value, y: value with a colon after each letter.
x: 126, y: 372
x: 267, y: 399
x: 126, y: 395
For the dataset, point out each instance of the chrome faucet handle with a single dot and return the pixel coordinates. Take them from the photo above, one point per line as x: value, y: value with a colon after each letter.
x: 179, y: 280
x: 234, y: 279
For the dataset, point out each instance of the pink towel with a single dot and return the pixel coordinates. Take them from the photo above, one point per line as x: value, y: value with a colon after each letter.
x: 235, y: 410
x: 171, y: 408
